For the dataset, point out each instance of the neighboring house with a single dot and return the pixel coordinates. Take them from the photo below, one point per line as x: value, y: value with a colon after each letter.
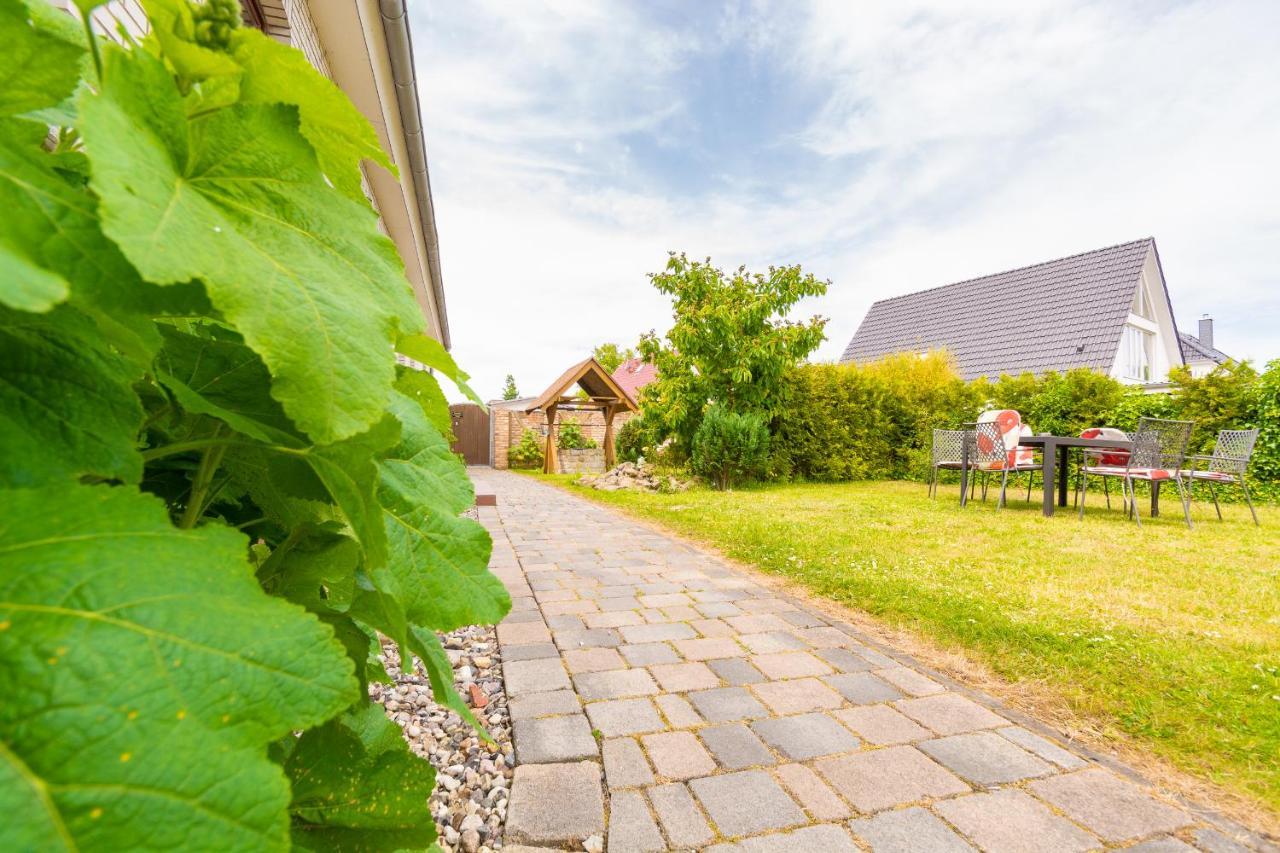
x: 1108, y: 310
x: 1199, y: 351
x: 633, y: 374
x: 363, y: 46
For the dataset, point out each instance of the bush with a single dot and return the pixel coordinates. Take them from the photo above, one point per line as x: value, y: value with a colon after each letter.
x: 1223, y: 399
x: 1266, y: 404
x: 571, y: 437
x: 1060, y: 403
x: 729, y: 448
x: 528, y: 453
x: 631, y: 442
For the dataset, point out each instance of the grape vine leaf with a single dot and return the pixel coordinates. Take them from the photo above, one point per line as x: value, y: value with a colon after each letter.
x: 356, y: 786
x: 144, y: 673
x: 236, y: 199
x: 339, y: 133
x: 42, y: 66
x: 66, y: 405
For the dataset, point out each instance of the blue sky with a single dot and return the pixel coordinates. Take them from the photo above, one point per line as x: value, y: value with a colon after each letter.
x: 886, y: 146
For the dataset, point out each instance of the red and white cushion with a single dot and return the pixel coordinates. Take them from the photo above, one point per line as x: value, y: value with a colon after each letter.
x: 1217, y: 476
x: 1109, y: 455
x: 1012, y: 429
x: 1135, y: 473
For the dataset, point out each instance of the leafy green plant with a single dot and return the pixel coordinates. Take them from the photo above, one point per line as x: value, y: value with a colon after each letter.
x: 218, y: 487
x: 632, y: 441
x: 528, y: 452
x: 729, y: 448
x: 509, y: 389
x: 570, y: 436
x: 1266, y: 402
x: 611, y: 356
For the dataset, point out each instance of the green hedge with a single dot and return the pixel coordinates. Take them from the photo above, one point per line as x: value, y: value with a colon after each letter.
x: 869, y: 421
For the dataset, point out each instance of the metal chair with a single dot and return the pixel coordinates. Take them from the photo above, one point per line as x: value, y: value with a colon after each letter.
x: 1114, y: 456
x: 1158, y: 454
x: 995, y: 448
x: 948, y: 453
x: 1227, y: 465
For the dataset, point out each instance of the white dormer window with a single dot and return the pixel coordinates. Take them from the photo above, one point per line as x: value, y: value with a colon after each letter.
x: 1142, y: 302
x: 1136, y: 350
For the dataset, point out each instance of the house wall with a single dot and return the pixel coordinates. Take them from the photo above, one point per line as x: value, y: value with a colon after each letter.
x: 1166, y: 352
x: 507, y: 426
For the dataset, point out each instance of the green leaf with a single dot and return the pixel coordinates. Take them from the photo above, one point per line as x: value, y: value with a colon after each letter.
x: 144, y: 672
x: 317, y: 572
x: 374, y: 606
x: 349, y: 473
x: 422, y: 470
x: 423, y: 388
x: 356, y: 786
x: 236, y: 199
x: 41, y: 66
x: 66, y: 405
x: 173, y: 34
x: 340, y: 134
x: 432, y: 353
x: 426, y: 645
x: 226, y: 380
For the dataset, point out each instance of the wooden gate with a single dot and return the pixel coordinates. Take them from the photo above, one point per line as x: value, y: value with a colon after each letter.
x: 471, y: 430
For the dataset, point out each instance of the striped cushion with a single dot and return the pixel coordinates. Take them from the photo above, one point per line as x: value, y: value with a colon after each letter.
x: 1135, y: 473
x: 1219, y: 476
x: 1109, y: 455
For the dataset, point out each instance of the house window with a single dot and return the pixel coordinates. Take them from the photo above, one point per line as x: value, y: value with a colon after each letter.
x: 1135, y: 354
x: 1142, y: 303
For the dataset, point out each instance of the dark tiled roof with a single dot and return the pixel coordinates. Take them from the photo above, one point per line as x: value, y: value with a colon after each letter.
x: 1195, y: 350
x: 1051, y: 316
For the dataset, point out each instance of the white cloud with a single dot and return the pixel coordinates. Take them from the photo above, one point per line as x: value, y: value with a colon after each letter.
x: 945, y: 141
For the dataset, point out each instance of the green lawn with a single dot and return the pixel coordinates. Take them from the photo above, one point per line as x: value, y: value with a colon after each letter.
x: 1169, y: 635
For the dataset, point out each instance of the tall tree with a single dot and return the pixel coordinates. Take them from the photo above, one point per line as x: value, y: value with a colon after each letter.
x: 509, y: 390
x: 611, y: 355
x: 731, y: 342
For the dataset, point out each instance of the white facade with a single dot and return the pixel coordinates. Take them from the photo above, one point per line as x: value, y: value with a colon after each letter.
x: 1149, y: 345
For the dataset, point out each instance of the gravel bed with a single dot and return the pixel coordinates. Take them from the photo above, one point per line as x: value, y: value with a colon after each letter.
x: 473, y: 777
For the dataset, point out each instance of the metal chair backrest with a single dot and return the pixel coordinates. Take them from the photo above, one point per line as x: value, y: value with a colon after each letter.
x: 948, y: 445
x: 988, y: 445
x: 1233, y: 450
x: 1160, y: 443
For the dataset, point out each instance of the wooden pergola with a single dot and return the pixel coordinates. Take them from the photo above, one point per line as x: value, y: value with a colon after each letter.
x: 603, y: 395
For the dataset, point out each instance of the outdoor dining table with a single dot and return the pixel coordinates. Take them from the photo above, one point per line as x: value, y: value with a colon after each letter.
x: 1055, y: 449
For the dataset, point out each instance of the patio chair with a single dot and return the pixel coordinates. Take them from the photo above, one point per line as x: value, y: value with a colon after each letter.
x: 1159, y: 452
x: 1227, y: 465
x: 948, y: 453
x: 1111, y: 456
x: 996, y: 448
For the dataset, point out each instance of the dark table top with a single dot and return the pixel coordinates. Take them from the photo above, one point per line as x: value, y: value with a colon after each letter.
x: 1073, y: 441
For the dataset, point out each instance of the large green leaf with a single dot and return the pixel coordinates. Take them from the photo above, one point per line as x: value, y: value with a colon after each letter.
x: 237, y: 200
x: 432, y: 353
x: 41, y: 65
x: 423, y: 389
x: 224, y: 379
x: 350, y: 474
x: 427, y: 646
x: 173, y: 33
x: 66, y: 405
x: 356, y: 786
x: 422, y: 470
x: 144, y: 672
x: 340, y: 134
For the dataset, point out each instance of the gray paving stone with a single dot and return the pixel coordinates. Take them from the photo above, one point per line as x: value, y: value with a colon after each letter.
x: 1164, y: 844
x: 677, y: 710
x: 888, y: 777
x: 844, y: 660
x: 881, y: 725
x: 707, y: 648
x: 725, y: 704
x: 592, y: 660
x: 908, y: 831
x: 565, y: 622
x: 618, y: 604
x: 631, y: 827
x: 619, y: 717
x: 677, y: 755
x: 648, y: 654
x: 735, y: 746
x: 534, y: 676
x: 681, y: 677
x: 812, y: 793
x: 514, y: 633
x: 802, y: 619
x: 614, y: 684
x: 950, y: 714
x: 679, y: 815
x: 1104, y: 804
x: 806, y: 736
x: 746, y: 803
x: 548, y: 740
x: 1009, y: 821
x: 717, y: 609
x: 984, y: 758
x: 625, y: 765
x: 771, y: 642
x: 909, y: 681
x: 555, y: 804
x: 1043, y: 747
x: 736, y: 671
x: 827, y: 838
x: 1213, y: 841
x: 518, y: 616
x: 797, y: 696
x: 587, y: 638
x: 552, y: 703
x: 790, y: 665
x: 863, y: 688
x: 529, y: 651
x: 659, y: 633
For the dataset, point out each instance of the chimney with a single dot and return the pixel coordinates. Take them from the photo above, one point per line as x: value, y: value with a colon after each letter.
x: 1206, y: 331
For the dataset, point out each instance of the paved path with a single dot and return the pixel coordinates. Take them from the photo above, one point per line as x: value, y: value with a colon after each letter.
x: 722, y: 716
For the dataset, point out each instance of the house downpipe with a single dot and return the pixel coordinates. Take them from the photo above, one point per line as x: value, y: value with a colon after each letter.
x: 395, y: 27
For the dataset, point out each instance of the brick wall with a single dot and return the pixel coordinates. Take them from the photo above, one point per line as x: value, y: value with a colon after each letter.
x: 507, y: 426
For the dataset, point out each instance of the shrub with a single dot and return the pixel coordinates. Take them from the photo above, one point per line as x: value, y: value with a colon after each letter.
x: 729, y: 448
x: 571, y: 438
x: 527, y: 453
x: 1266, y: 403
x: 1059, y: 403
x: 1222, y: 399
x: 1135, y: 404
x: 631, y: 442
x: 176, y: 272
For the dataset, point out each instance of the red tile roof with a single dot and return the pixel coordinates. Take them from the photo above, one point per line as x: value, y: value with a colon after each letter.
x: 633, y: 374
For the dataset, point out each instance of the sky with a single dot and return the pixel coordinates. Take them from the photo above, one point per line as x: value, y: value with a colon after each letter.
x: 885, y: 146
